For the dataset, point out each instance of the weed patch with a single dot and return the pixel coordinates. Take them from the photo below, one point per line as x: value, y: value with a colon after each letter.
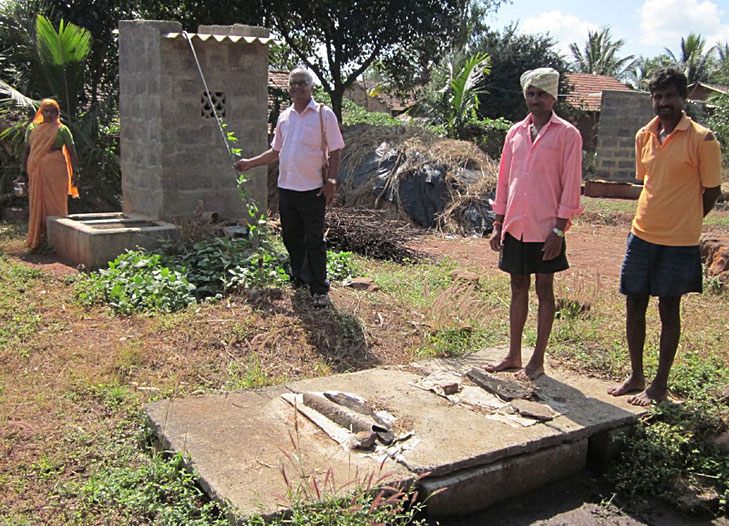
x: 140, y: 281
x: 161, y: 491
x: 137, y: 282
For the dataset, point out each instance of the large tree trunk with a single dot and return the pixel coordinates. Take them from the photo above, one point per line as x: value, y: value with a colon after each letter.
x: 337, y: 95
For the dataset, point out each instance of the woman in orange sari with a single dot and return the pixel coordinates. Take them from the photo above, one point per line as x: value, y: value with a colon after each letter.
x: 50, y: 161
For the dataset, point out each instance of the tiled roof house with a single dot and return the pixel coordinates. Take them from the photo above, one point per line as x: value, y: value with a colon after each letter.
x: 586, y: 95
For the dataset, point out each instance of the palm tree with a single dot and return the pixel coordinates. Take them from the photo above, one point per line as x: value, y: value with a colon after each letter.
x: 62, y: 54
x: 600, y: 55
x: 693, y: 61
x: 721, y: 72
x: 642, y: 70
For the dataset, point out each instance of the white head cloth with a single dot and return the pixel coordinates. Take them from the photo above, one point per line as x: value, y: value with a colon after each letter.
x: 546, y: 79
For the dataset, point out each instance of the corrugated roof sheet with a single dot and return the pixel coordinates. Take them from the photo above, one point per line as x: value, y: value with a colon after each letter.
x: 221, y: 38
x: 587, y: 89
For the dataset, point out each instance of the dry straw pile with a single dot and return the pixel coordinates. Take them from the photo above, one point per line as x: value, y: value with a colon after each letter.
x: 415, y: 148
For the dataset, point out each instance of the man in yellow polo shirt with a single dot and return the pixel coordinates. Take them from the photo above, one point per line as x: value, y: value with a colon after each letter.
x: 679, y: 163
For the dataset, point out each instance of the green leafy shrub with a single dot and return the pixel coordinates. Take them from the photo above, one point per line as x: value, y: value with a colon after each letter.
x: 489, y: 134
x: 718, y: 121
x: 672, y: 443
x: 140, y: 281
x: 353, y: 113
x: 340, y: 265
x: 207, y: 262
x: 259, y: 269
x: 137, y: 281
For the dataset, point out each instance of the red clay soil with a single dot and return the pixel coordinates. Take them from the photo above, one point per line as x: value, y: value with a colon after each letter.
x: 591, y: 249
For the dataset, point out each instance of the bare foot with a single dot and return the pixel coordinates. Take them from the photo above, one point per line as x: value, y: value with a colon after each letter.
x: 530, y: 372
x: 630, y: 385
x: 506, y: 363
x: 649, y: 396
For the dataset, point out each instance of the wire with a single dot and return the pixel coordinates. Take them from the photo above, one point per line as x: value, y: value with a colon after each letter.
x: 210, y: 99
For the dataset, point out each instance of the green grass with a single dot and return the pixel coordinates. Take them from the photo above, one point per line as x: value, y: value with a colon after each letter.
x: 455, y: 318
x: 19, y: 319
x: 606, y: 205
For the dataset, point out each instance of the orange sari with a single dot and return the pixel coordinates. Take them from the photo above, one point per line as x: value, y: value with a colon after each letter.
x: 49, y: 180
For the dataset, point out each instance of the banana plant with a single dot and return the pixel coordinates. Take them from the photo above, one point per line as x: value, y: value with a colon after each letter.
x: 465, y: 87
x: 455, y: 103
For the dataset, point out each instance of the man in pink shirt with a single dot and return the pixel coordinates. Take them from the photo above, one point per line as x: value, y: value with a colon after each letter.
x: 303, y: 132
x: 537, y: 193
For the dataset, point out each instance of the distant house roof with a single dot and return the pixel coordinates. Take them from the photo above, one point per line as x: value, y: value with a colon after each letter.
x: 278, y: 79
x: 587, y: 89
x: 702, y: 90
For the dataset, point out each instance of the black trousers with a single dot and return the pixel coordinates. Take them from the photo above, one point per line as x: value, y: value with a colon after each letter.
x: 302, y: 228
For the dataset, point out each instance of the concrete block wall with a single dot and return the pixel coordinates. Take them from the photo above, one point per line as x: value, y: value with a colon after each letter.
x: 140, y: 110
x: 622, y: 114
x: 177, y: 161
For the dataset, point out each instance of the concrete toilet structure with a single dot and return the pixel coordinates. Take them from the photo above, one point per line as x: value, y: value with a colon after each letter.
x: 174, y: 161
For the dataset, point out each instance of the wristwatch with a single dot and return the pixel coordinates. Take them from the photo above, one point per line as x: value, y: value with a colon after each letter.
x: 331, y: 181
x: 560, y: 233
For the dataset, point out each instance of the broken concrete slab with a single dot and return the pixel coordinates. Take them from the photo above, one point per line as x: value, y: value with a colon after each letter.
x: 531, y: 409
x: 238, y: 442
x: 505, y: 387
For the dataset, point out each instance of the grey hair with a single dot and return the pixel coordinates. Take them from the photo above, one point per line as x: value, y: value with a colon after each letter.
x: 302, y: 71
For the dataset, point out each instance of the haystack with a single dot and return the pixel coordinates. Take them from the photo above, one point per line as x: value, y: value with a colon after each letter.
x: 437, y: 183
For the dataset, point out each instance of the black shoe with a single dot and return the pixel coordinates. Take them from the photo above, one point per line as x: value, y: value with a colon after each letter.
x: 321, y: 300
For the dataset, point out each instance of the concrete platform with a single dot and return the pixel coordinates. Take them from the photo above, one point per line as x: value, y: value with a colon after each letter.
x: 238, y: 442
x: 92, y: 240
x: 615, y: 189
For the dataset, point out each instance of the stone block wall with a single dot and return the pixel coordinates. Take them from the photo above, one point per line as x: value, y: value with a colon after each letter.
x: 174, y: 159
x: 622, y: 114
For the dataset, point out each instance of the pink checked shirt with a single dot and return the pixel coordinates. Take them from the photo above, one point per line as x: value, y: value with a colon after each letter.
x: 297, y: 138
x: 539, y: 181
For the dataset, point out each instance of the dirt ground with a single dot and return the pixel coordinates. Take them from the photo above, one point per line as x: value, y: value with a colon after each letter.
x: 597, y: 249
x: 281, y: 333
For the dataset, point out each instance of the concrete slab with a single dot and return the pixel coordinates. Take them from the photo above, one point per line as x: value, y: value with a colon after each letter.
x: 238, y: 442
x: 477, y: 488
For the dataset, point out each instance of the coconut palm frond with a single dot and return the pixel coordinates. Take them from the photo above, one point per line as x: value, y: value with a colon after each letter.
x: 465, y: 89
x: 600, y: 55
x: 16, y: 98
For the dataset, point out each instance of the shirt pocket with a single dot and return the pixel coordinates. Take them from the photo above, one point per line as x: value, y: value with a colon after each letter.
x: 311, y: 137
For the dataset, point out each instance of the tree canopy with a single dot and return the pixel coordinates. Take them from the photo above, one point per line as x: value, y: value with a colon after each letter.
x: 338, y: 40
x: 511, y: 55
x: 695, y: 62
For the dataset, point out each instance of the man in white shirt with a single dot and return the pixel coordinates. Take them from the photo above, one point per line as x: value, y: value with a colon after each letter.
x: 304, y: 133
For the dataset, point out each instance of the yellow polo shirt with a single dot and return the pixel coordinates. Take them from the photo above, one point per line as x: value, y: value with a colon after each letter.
x: 670, y: 209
